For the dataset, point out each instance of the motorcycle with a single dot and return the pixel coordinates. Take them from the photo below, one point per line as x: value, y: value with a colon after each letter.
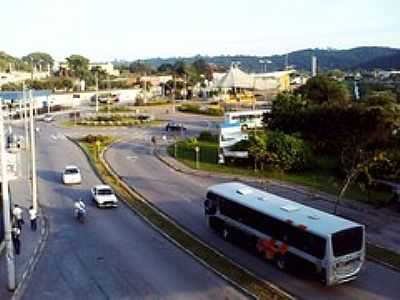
x: 80, y: 214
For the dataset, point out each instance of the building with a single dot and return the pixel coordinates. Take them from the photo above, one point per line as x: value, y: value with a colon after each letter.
x: 314, y: 66
x: 279, y: 80
x: 241, y: 88
x: 106, y: 67
x: 156, y: 80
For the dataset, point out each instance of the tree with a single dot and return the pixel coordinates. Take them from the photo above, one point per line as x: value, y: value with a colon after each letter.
x: 357, y: 160
x: 39, y: 59
x: 201, y: 66
x: 140, y: 68
x: 384, y: 98
x: 322, y: 89
x: 79, y: 65
x: 257, y: 149
x: 165, y: 68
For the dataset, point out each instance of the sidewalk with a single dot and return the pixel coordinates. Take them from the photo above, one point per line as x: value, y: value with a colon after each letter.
x: 382, y: 225
x: 30, y: 241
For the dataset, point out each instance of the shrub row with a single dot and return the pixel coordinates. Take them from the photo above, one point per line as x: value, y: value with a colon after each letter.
x: 108, y: 123
x: 197, y: 109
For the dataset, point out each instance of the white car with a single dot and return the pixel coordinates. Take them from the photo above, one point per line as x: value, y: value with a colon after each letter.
x: 71, y: 175
x: 48, y: 118
x: 104, y: 196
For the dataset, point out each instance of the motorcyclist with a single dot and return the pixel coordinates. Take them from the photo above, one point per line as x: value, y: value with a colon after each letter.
x: 79, y: 207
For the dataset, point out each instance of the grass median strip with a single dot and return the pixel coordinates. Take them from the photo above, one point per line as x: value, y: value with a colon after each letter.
x: 259, y: 288
x: 383, y: 255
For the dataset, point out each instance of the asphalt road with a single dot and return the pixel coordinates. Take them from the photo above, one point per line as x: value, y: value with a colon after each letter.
x: 114, y: 255
x: 181, y: 196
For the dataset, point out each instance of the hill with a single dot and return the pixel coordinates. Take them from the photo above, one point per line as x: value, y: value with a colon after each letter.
x: 386, y: 62
x: 328, y: 59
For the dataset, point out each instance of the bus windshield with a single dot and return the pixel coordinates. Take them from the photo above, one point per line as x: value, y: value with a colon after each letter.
x: 347, y: 241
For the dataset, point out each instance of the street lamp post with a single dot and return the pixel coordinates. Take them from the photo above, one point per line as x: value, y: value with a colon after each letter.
x: 33, y: 155
x: 176, y: 147
x: 197, y: 150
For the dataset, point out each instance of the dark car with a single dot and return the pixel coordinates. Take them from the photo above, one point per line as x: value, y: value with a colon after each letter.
x: 172, y: 126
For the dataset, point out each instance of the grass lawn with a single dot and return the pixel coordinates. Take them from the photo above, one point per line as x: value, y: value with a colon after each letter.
x: 322, y: 180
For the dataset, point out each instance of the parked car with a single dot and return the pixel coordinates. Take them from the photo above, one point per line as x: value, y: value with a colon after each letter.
x: 12, y: 143
x: 173, y: 126
x: 104, y: 196
x: 71, y: 175
x: 145, y: 117
x: 48, y: 118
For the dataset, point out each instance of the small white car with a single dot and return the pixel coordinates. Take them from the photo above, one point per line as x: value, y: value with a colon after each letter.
x: 104, y: 196
x: 48, y: 118
x: 71, y: 175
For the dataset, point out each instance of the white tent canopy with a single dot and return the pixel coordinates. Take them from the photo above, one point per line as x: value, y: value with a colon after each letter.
x: 235, y: 78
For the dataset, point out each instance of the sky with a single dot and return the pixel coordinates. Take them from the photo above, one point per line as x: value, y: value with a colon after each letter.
x: 129, y: 29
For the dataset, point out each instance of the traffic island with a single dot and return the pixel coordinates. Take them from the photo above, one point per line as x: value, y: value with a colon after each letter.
x: 239, y: 277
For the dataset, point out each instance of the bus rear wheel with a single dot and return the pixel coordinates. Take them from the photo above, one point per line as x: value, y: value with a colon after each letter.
x: 281, y: 262
x: 225, y: 233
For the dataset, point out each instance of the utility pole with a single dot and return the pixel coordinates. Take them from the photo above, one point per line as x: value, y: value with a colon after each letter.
x: 145, y: 88
x: 174, y: 100
x: 33, y: 154
x: 186, y: 87
x: 97, y: 89
x: 6, y: 208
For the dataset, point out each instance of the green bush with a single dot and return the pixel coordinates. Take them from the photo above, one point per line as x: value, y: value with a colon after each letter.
x: 91, y: 139
x: 215, y: 111
x: 288, y: 151
x: 193, y: 108
x: 207, y: 136
x: 277, y: 150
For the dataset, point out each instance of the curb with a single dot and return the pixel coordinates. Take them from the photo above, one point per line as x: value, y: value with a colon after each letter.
x: 33, y: 261
x: 138, y: 196
x: 309, y: 193
x: 2, y: 246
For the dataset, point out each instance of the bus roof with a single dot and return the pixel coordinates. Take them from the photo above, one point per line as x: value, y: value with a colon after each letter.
x: 316, y: 221
x: 247, y: 112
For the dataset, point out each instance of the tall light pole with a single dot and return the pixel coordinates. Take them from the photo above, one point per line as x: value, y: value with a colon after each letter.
x: 97, y: 89
x: 6, y: 207
x: 33, y: 154
x: 174, y: 100
x: 26, y: 124
x: 145, y: 88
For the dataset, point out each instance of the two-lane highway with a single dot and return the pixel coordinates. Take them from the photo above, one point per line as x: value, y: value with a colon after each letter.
x: 114, y: 255
x: 181, y: 196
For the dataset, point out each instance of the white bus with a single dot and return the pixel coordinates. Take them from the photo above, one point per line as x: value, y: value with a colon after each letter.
x: 249, y: 119
x: 290, y: 234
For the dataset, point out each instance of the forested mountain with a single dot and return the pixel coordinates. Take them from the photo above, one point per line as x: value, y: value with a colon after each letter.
x: 386, y: 62
x: 328, y: 59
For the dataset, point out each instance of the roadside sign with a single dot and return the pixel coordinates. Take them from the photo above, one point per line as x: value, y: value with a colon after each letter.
x: 12, y: 166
